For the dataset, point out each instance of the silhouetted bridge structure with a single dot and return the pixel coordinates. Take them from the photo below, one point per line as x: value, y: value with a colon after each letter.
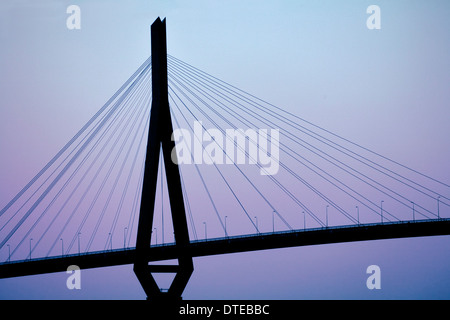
x: 324, y: 181
x: 228, y: 245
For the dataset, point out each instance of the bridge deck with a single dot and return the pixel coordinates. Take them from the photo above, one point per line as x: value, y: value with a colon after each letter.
x: 262, y: 241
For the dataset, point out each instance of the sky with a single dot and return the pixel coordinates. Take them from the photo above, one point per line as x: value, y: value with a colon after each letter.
x: 386, y: 89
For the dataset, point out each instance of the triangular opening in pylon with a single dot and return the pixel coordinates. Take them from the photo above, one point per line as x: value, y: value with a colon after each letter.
x: 162, y: 228
x: 164, y: 279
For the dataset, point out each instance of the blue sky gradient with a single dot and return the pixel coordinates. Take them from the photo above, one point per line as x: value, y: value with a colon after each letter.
x: 385, y: 89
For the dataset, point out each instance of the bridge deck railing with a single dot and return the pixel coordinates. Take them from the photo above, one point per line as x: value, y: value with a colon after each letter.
x: 252, y: 235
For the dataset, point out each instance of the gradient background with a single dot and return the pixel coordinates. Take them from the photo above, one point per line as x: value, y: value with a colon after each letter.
x: 385, y: 89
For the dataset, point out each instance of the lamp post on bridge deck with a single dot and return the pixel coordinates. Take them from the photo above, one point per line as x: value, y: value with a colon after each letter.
x: 357, y: 211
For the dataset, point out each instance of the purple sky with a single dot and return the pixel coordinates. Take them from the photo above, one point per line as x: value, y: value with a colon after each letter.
x: 384, y: 89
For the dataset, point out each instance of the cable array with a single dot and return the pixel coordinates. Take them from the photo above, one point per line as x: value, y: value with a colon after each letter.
x: 330, y: 177
x: 230, y: 141
x: 88, y: 178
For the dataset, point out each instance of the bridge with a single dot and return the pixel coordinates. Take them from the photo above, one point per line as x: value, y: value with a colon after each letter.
x: 286, y: 183
x: 226, y: 245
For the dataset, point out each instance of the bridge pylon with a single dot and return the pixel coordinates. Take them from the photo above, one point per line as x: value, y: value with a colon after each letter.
x: 159, y: 139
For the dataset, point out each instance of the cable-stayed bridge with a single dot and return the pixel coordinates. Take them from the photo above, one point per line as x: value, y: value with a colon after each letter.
x: 304, y: 186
